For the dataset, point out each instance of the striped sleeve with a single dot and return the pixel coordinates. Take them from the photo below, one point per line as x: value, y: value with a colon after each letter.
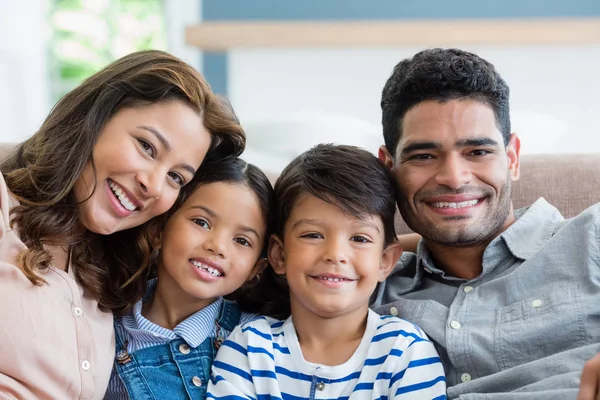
x: 419, y: 372
x: 231, y: 377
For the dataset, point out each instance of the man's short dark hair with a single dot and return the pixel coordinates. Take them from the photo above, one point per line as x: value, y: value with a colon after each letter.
x: 442, y: 75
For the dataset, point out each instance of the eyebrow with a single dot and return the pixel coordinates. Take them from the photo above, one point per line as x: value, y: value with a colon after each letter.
x: 213, y: 214
x: 314, y: 221
x: 416, y: 146
x: 165, y: 143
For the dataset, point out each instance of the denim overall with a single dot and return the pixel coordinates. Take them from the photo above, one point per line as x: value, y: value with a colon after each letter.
x: 173, y: 370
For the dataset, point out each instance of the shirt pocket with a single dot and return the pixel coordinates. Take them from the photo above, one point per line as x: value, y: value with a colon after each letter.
x: 539, y: 326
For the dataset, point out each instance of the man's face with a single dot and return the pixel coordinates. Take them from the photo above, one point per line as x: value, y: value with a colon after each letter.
x: 454, y: 172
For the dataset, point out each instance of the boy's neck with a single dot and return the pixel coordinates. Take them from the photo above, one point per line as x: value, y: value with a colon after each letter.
x: 169, y: 305
x: 329, y: 341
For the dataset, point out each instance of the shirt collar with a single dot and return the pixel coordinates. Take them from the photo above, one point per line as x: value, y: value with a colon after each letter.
x: 533, y: 227
x: 194, y: 329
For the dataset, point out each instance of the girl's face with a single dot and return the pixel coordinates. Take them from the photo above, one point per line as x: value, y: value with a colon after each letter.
x: 143, y: 156
x: 210, y: 246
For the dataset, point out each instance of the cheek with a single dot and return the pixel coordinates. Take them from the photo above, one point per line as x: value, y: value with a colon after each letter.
x: 163, y: 203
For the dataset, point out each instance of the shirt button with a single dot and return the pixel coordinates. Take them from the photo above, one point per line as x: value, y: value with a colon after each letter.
x: 85, y: 365
x: 536, y: 303
x: 465, y: 378
x: 455, y: 325
x: 197, y: 381
x: 320, y: 386
x: 184, y: 348
x: 393, y: 311
x: 467, y: 289
x: 77, y: 311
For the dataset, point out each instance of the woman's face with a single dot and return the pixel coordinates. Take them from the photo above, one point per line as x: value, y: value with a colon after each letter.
x: 143, y: 156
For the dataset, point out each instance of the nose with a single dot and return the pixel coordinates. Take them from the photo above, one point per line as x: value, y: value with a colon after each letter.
x: 453, y: 172
x: 216, y: 243
x: 151, y: 182
x: 336, y: 251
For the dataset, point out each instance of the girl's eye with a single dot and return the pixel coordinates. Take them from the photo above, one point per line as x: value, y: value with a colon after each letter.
x: 243, y: 242
x: 312, y: 235
x: 201, y: 222
x: 146, y: 147
x: 177, y: 178
x: 360, y: 239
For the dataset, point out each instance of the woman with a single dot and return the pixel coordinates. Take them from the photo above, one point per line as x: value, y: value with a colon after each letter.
x: 112, y: 154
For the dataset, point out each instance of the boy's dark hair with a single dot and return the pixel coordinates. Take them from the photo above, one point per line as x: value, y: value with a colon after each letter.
x: 346, y: 176
x: 441, y: 75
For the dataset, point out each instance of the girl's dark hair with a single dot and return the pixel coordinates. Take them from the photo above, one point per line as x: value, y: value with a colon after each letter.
x: 42, y: 171
x: 348, y: 177
x: 227, y: 170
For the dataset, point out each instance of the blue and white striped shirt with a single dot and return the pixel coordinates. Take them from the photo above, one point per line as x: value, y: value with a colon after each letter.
x: 142, y: 333
x: 263, y: 359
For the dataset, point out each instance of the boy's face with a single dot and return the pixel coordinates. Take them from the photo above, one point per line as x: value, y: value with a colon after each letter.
x: 332, y: 261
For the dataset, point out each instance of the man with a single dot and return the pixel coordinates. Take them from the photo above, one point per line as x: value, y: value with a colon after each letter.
x: 510, y: 298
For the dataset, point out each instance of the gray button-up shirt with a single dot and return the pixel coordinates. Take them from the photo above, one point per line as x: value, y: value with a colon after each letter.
x: 524, y: 328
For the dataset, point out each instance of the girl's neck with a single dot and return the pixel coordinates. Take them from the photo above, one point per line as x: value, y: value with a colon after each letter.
x: 169, y: 305
x: 329, y: 341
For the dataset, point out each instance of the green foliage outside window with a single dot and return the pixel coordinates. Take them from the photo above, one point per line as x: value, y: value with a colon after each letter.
x: 89, y: 34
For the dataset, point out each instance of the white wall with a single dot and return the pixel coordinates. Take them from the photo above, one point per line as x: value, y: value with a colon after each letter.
x: 24, y: 96
x: 555, y: 92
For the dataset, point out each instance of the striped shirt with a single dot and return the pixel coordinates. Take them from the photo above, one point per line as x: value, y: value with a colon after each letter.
x: 142, y: 333
x: 263, y: 359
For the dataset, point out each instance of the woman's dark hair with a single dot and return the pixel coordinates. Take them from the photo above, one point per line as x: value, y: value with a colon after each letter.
x: 441, y: 75
x: 42, y: 171
x: 348, y: 177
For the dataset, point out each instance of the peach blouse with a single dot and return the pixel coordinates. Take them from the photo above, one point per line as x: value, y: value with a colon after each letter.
x: 55, y: 343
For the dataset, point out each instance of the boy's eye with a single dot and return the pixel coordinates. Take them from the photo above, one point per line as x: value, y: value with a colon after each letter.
x: 146, y: 147
x: 360, y: 239
x: 243, y: 242
x: 312, y: 235
x: 201, y: 222
x: 421, y: 157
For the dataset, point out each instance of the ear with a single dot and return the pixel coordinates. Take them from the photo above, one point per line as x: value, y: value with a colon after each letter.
x: 391, y: 255
x: 385, y: 156
x: 155, y: 235
x: 258, y: 268
x: 276, y: 255
x: 513, y: 151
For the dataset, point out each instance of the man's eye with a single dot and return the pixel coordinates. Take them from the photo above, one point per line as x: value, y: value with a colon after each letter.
x: 480, y: 152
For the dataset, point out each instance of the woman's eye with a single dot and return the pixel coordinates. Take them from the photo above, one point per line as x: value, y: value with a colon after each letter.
x: 242, y: 241
x: 201, y: 222
x: 177, y: 178
x: 146, y: 147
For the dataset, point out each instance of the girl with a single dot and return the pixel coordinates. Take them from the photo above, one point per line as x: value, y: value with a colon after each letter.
x: 209, y: 245
x: 334, y: 242
x: 112, y: 154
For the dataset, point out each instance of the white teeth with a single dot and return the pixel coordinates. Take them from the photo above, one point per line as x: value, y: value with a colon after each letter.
x: 442, y: 204
x: 210, y: 270
x: 330, y: 279
x: 125, y: 201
